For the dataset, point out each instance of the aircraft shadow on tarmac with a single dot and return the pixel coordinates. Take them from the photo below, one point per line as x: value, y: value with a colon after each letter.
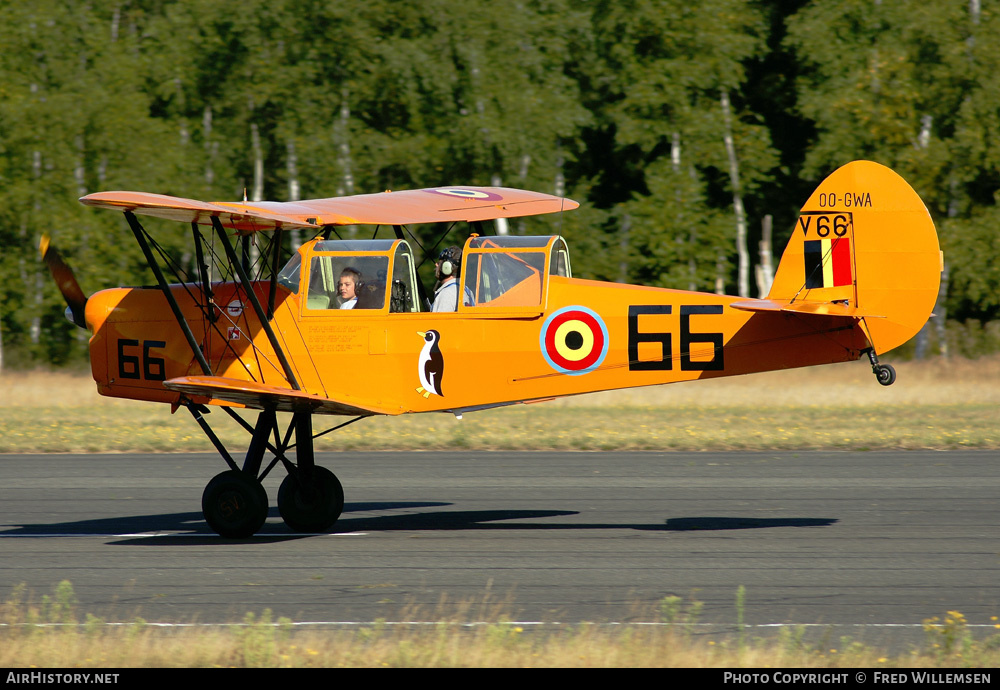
x: 150, y: 529
x: 691, y: 524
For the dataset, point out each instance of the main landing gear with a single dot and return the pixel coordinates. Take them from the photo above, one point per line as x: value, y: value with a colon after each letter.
x: 234, y: 504
x: 884, y: 373
x: 310, y: 498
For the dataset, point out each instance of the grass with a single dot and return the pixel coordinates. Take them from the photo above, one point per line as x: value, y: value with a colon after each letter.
x: 935, y: 404
x: 51, y: 634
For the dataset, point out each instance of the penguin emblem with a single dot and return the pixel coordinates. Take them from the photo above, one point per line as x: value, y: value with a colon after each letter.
x: 430, y: 365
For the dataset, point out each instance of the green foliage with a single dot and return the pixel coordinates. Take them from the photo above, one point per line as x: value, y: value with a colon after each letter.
x: 503, y: 634
x: 969, y: 243
x: 60, y: 608
x: 260, y: 638
x: 949, y: 638
x: 741, y: 600
x: 791, y: 639
x: 20, y: 615
x: 615, y: 104
x: 370, y: 634
x: 654, y: 84
x: 915, y: 86
x: 93, y: 625
x: 672, y: 612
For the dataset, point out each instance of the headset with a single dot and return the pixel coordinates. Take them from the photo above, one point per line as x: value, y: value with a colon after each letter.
x: 449, y: 262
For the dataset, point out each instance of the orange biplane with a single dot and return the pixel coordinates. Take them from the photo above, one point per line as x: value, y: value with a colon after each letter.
x: 859, y: 277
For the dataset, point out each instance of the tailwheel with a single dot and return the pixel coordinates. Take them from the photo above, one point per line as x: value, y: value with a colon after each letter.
x: 311, y: 502
x: 234, y: 504
x: 885, y: 374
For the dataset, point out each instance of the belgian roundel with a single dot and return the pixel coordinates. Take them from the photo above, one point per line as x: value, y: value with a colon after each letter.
x: 574, y: 340
x: 459, y: 193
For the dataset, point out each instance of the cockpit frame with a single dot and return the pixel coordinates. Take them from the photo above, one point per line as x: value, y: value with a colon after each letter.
x: 501, y: 275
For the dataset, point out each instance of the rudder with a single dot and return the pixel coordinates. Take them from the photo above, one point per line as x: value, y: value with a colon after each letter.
x: 864, y: 239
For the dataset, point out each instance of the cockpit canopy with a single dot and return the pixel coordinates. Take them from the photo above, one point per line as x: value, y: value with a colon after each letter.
x: 382, y: 272
x: 505, y: 271
x: 499, y: 272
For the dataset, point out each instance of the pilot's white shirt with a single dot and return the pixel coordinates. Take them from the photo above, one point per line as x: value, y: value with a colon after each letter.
x: 349, y: 304
x: 446, y: 296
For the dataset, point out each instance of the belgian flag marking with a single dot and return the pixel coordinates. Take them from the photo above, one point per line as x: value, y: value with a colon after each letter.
x: 828, y: 262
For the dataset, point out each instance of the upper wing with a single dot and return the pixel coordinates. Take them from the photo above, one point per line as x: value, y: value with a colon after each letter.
x: 439, y: 204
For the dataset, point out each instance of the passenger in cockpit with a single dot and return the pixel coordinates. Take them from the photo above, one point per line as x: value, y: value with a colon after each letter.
x: 446, y: 270
x: 347, y: 287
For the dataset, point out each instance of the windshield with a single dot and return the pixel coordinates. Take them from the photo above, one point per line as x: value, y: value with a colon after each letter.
x: 289, y: 275
x: 505, y: 279
x: 347, y: 282
x: 512, y: 241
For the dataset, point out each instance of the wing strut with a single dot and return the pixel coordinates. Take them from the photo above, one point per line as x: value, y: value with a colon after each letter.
x: 265, y: 324
x: 275, y: 268
x: 206, y: 284
x: 165, y: 289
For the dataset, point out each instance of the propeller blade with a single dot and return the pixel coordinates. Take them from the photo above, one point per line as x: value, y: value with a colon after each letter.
x: 65, y: 280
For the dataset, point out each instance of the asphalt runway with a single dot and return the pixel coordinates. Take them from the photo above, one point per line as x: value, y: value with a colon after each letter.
x: 861, y: 543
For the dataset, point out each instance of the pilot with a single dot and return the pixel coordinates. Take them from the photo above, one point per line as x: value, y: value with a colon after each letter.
x: 446, y: 270
x: 347, y: 287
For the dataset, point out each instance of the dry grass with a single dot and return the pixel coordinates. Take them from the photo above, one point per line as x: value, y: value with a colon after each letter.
x: 466, y: 635
x: 940, y: 404
x: 953, y: 381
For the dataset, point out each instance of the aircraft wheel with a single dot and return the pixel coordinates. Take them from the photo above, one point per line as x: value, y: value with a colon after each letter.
x: 234, y: 505
x: 885, y: 374
x: 314, y: 508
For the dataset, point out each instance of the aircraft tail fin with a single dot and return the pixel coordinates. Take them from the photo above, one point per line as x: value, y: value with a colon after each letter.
x: 865, y: 243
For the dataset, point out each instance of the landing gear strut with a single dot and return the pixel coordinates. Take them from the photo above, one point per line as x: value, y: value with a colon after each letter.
x: 884, y: 373
x: 310, y: 498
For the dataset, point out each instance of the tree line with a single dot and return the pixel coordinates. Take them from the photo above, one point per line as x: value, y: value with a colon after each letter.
x: 685, y: 130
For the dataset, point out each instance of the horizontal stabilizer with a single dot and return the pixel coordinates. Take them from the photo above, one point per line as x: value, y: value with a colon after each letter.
x: 818, y: 308
x: 261, y: 396
x: 435, y: 205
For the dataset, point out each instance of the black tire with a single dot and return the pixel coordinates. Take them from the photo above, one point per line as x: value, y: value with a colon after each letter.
x: 234, y: 505
x: 314, y: 509
x: 885, y: 374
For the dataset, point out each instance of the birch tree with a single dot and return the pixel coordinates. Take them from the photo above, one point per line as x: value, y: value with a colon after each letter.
x: 658, y: 82
x: 914, y: 86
